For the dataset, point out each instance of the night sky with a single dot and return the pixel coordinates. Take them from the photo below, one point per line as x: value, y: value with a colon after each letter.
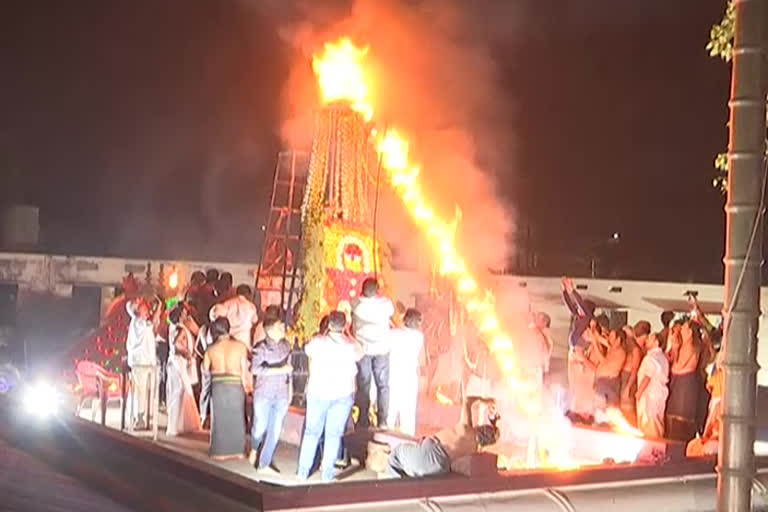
x: 150, y: 129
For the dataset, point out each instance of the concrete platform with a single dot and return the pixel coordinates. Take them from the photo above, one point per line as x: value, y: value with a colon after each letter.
x: 195, y: 445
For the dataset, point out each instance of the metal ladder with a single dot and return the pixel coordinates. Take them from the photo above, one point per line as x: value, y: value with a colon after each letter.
x: 278, y: 277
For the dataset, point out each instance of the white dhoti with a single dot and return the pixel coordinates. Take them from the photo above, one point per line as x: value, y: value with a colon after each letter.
x: 182, y: 410
x: 650, y: 415
x: 403, y: 399
x: 141, y: 387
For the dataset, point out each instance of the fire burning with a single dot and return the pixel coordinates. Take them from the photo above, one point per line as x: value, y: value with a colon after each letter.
x: 342, y: 78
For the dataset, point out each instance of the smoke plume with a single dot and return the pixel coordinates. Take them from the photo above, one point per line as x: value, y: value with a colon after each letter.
x: 436, y: 79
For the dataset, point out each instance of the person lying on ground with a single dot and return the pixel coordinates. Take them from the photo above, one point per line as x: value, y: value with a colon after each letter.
x: 434, y: 455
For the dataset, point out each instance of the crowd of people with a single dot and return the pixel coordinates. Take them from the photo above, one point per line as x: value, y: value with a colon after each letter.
x: 665, y: 383
x: 222, y: 348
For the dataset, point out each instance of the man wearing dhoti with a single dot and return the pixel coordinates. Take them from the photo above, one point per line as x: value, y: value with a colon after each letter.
x: 142, y: 357
x: 182, y: 375
x: 226, y: 365
x: 405, y: 356
x: 581, y: 376
x: 652, y: 392
x: 709, y: 442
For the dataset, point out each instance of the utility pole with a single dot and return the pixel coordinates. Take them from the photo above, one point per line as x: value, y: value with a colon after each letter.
x: 743, y: 256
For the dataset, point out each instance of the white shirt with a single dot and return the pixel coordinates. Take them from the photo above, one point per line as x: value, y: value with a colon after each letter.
x: 140, y: 342
x: 241, y: 313
x: 332, y: 366
x: 371, y: 317
x: 655, y: 366
x: 406, y: 345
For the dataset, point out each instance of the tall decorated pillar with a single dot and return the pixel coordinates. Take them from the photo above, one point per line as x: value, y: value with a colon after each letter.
x: 340, y: 250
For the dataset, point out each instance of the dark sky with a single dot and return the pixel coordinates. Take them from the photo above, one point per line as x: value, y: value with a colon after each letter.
x: 149, y: 128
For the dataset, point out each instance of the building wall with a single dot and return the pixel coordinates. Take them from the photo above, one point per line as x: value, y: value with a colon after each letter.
x: 639, y: 300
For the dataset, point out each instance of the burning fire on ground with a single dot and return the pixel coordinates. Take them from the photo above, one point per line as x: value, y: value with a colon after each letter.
x: 341, y: 76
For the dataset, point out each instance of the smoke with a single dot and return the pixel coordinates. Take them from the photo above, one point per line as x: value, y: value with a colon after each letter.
x: 435, y: 78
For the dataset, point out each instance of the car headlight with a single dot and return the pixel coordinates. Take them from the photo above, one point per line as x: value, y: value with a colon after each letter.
x: 41, y: 399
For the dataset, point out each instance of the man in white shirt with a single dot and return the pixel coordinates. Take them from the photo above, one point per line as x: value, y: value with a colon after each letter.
x: 652, y: 388
x: 241, y: 313
x: 405, y: 358
x: 333, y: 361
x: 142, y: 357
x: 371, y: 318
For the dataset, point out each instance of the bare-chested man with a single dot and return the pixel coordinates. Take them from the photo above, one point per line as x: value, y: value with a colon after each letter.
x: 433, y: 455
x: 609, y: 356
x: 629, y: 376
x: 225, y: 364
x: 685, y: 384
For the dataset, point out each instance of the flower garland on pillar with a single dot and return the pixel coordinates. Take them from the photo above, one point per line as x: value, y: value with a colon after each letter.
x: 335, y: 219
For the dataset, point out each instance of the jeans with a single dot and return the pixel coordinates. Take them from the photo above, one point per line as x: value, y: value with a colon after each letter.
x: 323, y: 416
x: 268, y: 417
x: 376, y: 367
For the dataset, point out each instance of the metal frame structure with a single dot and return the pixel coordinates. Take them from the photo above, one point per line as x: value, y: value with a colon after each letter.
x: 278, y: 270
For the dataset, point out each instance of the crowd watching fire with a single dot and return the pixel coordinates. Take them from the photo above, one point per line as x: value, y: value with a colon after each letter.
x: 218, y: 349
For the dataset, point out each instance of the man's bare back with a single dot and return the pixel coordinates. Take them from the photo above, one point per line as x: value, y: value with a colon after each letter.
x: 227, y: 356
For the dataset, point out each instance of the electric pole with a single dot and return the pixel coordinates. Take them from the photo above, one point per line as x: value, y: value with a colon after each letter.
x: 743, y: 256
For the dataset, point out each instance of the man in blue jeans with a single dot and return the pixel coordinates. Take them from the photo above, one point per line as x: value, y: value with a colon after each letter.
x: 333, y: 361
x: 371, y: 318
x: 270, y: 365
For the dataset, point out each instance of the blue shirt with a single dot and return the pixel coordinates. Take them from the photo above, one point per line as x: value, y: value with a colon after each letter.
x: 269, y: 354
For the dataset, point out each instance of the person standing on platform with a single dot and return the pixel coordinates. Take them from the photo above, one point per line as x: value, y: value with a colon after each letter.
x: 581, y: 375
x: 652, y: 389
x: 183, y: 415
x: 271, y: 368
x: 371, y: 318
x: 685, y: 384
x: 330, y: 390
x: 405, y: 357
x: 225, y: 365
x: 610, y: 357
x: 241, y: 313
x: 142, y: 357
x: 629, y: 376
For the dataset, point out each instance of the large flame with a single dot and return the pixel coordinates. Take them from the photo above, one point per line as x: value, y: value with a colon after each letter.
x: 342, y: 77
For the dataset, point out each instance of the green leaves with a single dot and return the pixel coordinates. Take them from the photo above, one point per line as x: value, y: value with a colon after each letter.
x: 721, y: 35
x: 721, y: 45
x: 721, y: 179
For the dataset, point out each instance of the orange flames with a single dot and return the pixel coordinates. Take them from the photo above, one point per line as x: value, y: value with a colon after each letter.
x: 341, y: 76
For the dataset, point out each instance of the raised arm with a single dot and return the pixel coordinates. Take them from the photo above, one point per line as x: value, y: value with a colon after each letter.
x: 570, y: 304
x: 582, y: 307
x: 466, y: 409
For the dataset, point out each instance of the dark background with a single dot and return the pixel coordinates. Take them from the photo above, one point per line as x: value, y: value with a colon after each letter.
x: 150, y: 129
